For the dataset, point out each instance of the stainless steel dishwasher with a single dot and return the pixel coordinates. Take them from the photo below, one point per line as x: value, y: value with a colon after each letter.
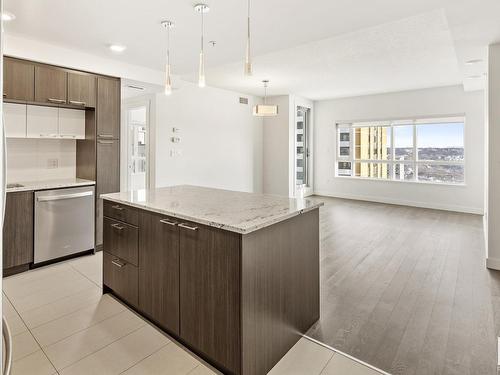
x: 64, y: 222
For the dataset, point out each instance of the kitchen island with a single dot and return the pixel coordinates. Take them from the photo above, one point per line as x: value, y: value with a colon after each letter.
x: 233, y: 276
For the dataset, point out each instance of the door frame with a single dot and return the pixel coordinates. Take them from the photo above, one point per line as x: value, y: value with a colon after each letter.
x: 127, y: 104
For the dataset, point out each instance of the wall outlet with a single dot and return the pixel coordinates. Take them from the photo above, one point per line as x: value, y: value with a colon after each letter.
x: 52, y: 163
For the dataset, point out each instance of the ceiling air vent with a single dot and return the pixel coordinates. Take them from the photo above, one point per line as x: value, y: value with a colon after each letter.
x: 243, y: 100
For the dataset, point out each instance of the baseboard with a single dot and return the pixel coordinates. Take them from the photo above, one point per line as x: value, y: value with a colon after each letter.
x: 400, y: 202
x: 493, y: 263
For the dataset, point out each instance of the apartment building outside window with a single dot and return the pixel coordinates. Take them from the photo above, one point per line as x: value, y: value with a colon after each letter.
x: 418, y: 150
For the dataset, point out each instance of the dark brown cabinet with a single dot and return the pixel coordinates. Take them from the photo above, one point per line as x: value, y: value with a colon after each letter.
x: 121, y: 240
x: 107, y: 177
x: 159, y: 269
x: 18, y: 80
x: 18, y: 230
x: 81, y: 89
x: 121, y: 277
x: 108, y: 108
x: 50, y: 85
x: 210, y: 292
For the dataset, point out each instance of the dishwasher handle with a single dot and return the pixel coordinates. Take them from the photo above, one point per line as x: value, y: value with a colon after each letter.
x: 64, y: 196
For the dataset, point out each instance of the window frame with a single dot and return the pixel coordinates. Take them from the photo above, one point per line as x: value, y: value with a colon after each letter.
x: 415, y: 162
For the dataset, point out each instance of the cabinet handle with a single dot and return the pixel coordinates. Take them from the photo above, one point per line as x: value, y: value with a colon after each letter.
x: 60, y: 101
x: 117, y: 263
x: 75, y: 102
x: 48, y: 135
x: 168, y: 222
x: 186, y: 226
x: 117, y: 207
x: 117, y: 226
x: 105, y: 142
x: 67, y: 136
x: 105, y: 135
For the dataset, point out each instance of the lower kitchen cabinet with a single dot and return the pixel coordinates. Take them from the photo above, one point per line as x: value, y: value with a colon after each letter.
x: 18, y: 231
x: 121, y: 277
x: 159, y: 269
x: 210, y: 292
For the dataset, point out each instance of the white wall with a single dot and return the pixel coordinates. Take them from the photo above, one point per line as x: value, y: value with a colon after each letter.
x: 492, y: 221
x: 276, y: 171
x: 221, y: 141
x: 427, y: 102
x: 28, y: 159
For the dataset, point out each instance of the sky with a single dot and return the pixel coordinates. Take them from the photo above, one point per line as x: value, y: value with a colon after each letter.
x: 430, y: 135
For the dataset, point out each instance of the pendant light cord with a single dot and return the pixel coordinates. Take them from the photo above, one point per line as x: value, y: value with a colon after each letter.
x: 168, y: 45
x: 202, y: 11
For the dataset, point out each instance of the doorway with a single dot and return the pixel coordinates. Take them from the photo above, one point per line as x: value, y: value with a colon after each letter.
x: 137, y: 133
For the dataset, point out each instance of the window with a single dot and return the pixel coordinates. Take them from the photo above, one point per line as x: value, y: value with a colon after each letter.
x: 422, y: 150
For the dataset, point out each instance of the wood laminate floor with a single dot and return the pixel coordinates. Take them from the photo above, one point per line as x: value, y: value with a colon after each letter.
x: 406, y: 289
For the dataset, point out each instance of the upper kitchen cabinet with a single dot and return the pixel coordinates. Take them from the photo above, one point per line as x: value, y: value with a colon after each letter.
x: 19, y: 80
x: 50, y: 85
x: 42, y: 122
x: 108, y: 108
x: 81, y: 89
x: 71, y: 123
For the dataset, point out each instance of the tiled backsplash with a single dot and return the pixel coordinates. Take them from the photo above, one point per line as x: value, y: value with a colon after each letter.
x: 40, y: 159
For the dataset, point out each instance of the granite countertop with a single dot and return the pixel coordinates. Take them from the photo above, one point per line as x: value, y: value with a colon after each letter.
x: 230, y: 210
x: 49, y: 184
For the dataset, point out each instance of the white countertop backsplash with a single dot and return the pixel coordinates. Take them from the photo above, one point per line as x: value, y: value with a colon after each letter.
x: 230, y: 210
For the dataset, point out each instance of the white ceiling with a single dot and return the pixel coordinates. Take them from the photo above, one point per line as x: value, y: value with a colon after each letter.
x: 316, y: 49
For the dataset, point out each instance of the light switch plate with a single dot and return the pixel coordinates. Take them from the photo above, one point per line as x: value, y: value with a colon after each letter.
x: 52, y: 163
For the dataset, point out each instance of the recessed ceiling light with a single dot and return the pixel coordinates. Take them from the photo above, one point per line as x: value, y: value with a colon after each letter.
x: 117, y: 48
x: 7, y: 16
x: 474, y: 61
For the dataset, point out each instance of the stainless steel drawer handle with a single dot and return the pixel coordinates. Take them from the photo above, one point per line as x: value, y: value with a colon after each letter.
x: 105, y: 142
x: 117, y: 207
x: 105, y: 135
x: 187, y: 226
x: 118, y: 226
x: 67, y: 136
x: 64, y: 196
x: 53, y: 100
x: 77, y: 102
x: 168, y: 222
x: 117, y: 263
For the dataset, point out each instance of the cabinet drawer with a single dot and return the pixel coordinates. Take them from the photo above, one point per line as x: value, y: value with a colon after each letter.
x: 121, y: 240
x: 121, y: 212
x: 121, y: 277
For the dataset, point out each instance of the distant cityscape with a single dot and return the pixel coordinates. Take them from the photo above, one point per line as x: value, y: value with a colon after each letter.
x: 433, y: 172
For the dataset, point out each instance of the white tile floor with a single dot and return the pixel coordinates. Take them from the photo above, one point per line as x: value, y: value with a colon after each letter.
x: 62, y: 324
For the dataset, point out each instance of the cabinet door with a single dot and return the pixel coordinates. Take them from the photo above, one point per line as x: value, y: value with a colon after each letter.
x: 42, y: 122
x: 159, y: 269
x: 107, y: 177
x: 81, y: 89
x: 18, y: 229
x: 71, y: 123
x: 108, y: 108
x: 50, y: 85
x: 18, y: 80
x: 15, y: 120
x: 210, y: 292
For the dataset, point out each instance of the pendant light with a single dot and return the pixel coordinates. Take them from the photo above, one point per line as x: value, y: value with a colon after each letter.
x: 248, y: 59
x: 265, y: 110
x: 168, y: 79
x: 202, y: 9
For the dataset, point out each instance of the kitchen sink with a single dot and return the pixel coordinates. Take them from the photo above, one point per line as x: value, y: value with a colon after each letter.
x: 10, y: 186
